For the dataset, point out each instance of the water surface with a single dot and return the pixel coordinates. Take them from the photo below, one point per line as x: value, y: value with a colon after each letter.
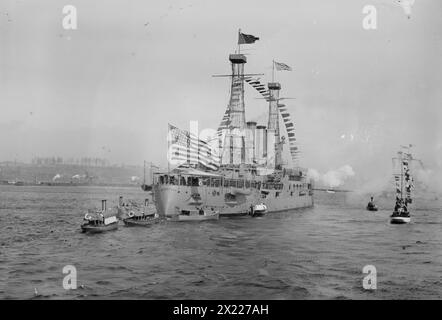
x: 315, y: 253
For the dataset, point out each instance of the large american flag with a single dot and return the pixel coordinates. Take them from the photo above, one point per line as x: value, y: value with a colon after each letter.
x: 186, y: 149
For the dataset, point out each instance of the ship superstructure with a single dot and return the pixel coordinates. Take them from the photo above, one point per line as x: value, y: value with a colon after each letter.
x: 250, y: 167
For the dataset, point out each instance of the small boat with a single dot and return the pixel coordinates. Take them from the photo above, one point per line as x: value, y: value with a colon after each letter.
x: 133, y: 210
x: 259, y: 210
x: 144, y: 220
x: 97, y: 226
x: 400, y: 217
x: 371, y: 206
x: 195, y: 215
x: 404, y: 185
x: 99, y: 221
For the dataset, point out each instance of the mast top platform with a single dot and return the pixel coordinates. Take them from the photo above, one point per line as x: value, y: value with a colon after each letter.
x: 237, y: 58
x: 274, y: 85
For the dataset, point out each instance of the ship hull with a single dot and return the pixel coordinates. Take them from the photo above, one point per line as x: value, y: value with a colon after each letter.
x: 85, y: 228
x: 184, y: 218
x: 397, y: 218
x: 400, y: 220
x: 141, y: 223
x: 170, y: 199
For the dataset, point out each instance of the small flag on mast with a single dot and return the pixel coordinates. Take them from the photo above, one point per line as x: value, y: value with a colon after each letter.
x: 282, y: 66
x: 246, y: 38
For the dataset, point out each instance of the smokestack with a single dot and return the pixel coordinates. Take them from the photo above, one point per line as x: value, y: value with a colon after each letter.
x: 237, y: 146
x: 250, y: 142
x: 120, y: 201
x: 103, y: 205
x: 272, y: 154
x: 226, y: 152
x: 260, y: 144
x: 146, y: 202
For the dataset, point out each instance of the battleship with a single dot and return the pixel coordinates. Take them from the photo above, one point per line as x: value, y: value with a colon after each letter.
x: 248, y: 168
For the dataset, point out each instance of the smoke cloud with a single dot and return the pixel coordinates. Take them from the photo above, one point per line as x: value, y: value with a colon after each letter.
x: 332, y: 178
x: 428, y: 180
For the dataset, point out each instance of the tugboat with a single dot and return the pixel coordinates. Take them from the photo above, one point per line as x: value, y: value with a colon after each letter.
x: 403, y: 180
x: 146, y: 217
x: 141, y: 220
x: 371, y: 206
x: 99, y: 221
x: 195, y: 215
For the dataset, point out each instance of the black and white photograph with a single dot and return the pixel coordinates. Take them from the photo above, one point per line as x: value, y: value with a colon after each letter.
x: 208, y: 150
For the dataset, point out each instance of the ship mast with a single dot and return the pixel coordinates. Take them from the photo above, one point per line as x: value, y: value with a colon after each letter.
x: 399, y: 177
x: 232, y: 143
x: 235, y: 141
x: 273, y: 130
x: 404, y: 159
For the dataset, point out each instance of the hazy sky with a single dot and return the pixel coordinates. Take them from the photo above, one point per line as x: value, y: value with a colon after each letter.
x: 109, y: 88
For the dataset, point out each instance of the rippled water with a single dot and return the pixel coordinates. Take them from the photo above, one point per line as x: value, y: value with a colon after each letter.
x: 316, y: 253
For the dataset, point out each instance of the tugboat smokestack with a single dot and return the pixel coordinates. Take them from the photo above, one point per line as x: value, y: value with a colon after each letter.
x: 103, y: 205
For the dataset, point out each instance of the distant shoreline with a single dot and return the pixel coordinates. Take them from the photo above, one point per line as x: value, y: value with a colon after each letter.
x: 71, y: 175
x: 65, y: 184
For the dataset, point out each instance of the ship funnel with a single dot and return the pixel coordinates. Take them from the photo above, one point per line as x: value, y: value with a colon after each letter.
x: 250, y: 142
x: 146, y: 202
x: 271, y: 144
x: 103, y: 205
x: 260, y: 144
x: 120, y: 201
